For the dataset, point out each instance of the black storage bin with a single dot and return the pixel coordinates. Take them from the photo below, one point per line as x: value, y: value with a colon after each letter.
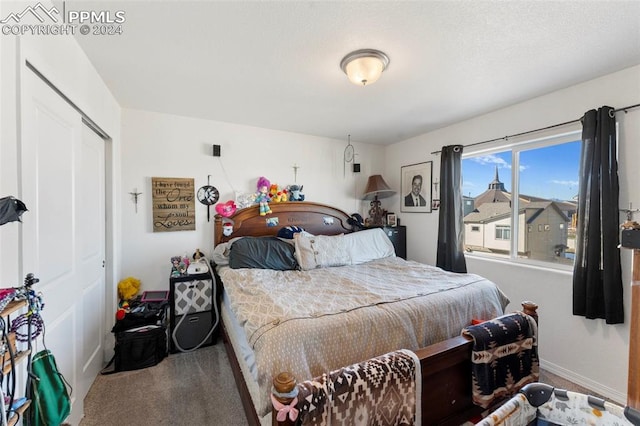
x: 140, y: 347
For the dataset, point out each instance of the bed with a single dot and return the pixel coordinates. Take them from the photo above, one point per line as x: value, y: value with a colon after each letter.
x: 270, y: 325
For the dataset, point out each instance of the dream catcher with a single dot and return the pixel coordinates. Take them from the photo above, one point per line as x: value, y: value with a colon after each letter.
x: 208, y: 195
x: 348, y: 156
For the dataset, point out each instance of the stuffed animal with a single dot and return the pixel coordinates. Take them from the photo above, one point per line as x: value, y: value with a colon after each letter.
x: 273, y: 191
x: 262, y: 196
x: 356, y: 222
x: 280, y: 197
x: 226, y: 209
x: 227, y: 227
x: 128, y: 288
x: 295, y: 193
x: 122, y: 311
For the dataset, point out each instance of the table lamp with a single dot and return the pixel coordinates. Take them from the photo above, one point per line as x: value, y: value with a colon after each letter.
x: 376, y: 188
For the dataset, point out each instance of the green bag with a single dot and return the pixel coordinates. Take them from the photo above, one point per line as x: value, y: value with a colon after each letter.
x: 51, y: 403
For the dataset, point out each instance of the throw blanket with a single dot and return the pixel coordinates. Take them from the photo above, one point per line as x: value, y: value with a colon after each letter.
x: 385, y: 390
x: 504, y: 357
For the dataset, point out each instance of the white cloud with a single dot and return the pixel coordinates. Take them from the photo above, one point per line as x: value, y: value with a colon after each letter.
x: 492, y: 159
x: 565, y: 182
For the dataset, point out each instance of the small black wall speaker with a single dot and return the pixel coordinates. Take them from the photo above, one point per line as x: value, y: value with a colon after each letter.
x: 631, y: 238
x: 216, y: 150
x: 356, y: 167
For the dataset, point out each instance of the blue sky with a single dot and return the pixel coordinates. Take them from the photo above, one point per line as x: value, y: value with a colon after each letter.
x: 550, y: 172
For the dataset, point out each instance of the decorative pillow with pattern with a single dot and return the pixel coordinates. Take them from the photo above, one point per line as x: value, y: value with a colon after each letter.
x: 320, y: 251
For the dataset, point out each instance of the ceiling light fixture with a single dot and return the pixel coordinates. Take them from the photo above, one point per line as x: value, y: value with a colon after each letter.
x: 364, y: 66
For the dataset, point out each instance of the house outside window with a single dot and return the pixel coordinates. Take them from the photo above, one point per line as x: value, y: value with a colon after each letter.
x: 532, y: 185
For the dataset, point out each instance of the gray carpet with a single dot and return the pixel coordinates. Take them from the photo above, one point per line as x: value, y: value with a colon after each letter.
x: 195, y: 388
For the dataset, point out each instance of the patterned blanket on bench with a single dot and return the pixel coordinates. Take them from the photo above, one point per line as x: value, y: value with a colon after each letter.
x: 504, y: 357
x: 383, y: 391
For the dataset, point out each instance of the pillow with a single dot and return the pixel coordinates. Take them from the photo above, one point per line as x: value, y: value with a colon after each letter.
x: 320, y: 251
x: 368, y: 245
x: 262, y: 253
x: 220, y: 255
x: 289, y: 231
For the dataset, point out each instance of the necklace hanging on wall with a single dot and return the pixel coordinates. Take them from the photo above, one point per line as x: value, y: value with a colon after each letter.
x: 348, y: 156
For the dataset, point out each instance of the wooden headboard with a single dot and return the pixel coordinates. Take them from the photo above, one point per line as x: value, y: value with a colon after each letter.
x: 318, y: 219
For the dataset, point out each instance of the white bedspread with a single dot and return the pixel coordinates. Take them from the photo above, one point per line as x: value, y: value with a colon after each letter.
x: 311, y: 322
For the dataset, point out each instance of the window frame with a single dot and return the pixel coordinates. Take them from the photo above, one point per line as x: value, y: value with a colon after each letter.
x: 516, y: 145
x: 502, y: 229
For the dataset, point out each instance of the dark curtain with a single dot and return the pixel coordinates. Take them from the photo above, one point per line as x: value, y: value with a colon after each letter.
x: 450, y: 226
x: 597, y: 278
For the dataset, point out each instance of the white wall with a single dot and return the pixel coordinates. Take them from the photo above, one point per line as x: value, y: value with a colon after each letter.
x: 163, y: 145
x: 587, y: 351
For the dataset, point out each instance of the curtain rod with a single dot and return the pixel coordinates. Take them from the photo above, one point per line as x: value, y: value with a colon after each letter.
x: 553, y: 126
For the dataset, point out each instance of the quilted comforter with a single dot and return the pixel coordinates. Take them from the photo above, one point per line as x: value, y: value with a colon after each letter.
x: 312, y: 322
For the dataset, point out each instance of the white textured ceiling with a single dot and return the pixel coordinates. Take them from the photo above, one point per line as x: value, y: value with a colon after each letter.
x: 275, y: 64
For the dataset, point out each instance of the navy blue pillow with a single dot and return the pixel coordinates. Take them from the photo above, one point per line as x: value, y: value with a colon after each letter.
x: 262, y: 253
x: 288, y: 231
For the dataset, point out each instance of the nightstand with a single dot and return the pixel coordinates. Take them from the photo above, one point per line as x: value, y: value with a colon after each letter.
x: 398, y: 236
x: 192, y: 312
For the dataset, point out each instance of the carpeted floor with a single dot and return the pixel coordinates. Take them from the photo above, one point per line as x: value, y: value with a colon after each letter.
x: 195, y: 388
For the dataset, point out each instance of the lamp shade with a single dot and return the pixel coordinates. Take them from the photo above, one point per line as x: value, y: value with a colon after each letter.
x: 377, y: 187
x: 364, y: 66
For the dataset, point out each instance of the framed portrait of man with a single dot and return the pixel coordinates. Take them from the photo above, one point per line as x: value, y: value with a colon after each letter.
x: 415, y: 182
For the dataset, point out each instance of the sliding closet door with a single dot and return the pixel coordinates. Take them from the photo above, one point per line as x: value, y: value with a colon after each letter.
x: 63, y: 244
x: 90, y: 222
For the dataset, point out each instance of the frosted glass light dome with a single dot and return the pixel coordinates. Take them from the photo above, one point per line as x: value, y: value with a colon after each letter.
x: 364, y: 66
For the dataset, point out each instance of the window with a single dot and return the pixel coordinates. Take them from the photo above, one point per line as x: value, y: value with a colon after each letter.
x: 503, y: 232
x: 518, y: 189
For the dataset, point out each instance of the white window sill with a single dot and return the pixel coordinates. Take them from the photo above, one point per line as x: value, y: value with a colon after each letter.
x: 525, y: 263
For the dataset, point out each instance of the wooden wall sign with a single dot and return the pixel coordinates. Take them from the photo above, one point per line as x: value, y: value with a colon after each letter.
x: 173, y: 204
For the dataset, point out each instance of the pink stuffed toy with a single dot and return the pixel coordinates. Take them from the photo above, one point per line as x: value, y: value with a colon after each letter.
x: 226, y: 209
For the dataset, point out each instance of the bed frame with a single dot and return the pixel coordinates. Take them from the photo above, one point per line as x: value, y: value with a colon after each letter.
x: 446, y: 366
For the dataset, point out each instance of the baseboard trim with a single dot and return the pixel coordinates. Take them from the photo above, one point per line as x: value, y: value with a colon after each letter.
x: 607, y: 392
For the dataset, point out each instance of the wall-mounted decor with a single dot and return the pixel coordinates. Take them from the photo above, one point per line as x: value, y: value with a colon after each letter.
x: 415, y: 184
x: 135, y: 194
x: 173, y: 204
x: 208, y: 195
